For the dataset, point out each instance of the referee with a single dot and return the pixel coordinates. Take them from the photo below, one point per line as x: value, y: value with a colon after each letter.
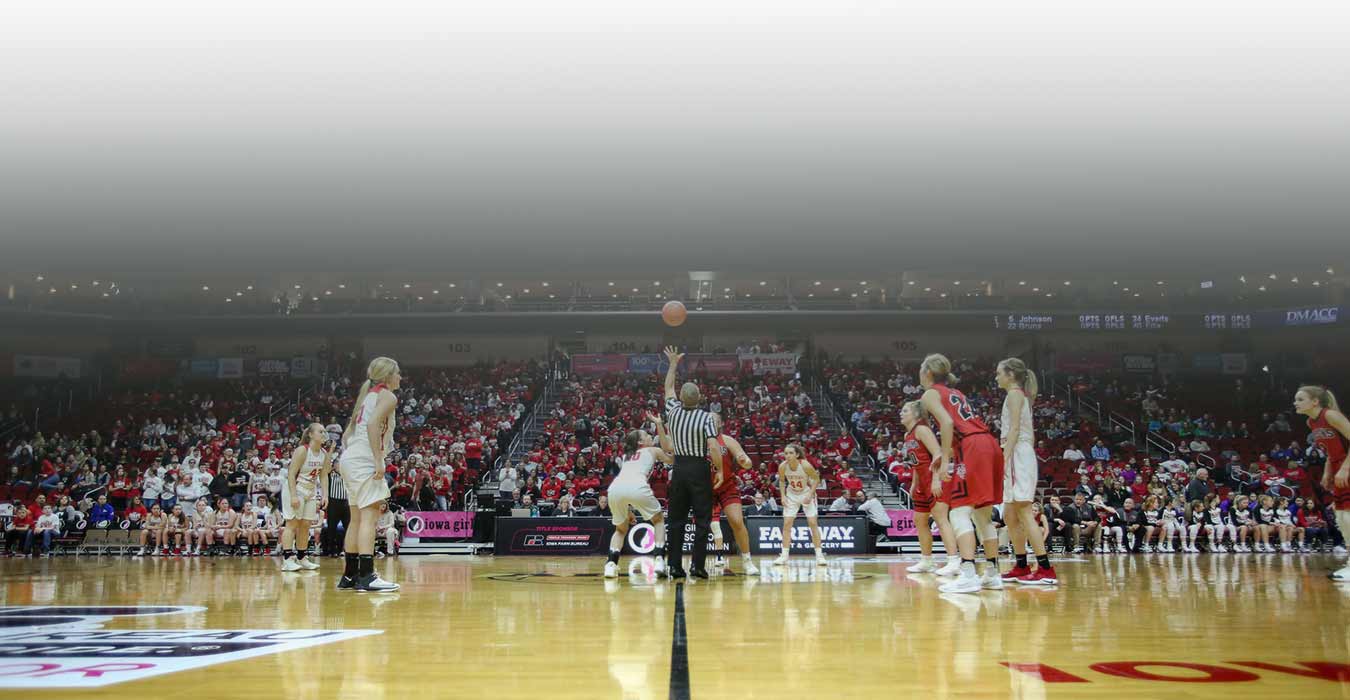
x: 694, y: 434
x: 330, y: 541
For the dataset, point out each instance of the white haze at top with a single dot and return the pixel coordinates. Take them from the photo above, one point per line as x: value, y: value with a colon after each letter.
x: 595, y: 132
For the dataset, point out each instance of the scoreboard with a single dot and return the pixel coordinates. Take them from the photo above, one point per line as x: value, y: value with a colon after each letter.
x: 1134, y: 321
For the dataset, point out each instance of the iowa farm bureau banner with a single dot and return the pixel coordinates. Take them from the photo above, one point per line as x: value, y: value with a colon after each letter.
x: 596, y: 364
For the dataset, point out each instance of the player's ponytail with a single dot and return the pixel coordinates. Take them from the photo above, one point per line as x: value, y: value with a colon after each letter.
x: 632, y: 441
x: 1024, y: 377
x: 939, y: 368
x: 1321, y: 395
x: 380, y: 370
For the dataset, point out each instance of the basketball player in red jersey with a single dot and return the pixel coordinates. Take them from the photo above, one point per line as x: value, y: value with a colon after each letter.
x: 1332, y: 432
x: 919, y: 448
x: 971, y: 465
x: 727, y: 498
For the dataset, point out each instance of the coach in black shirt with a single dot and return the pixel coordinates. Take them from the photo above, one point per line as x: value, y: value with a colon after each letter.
x: 695, y: 435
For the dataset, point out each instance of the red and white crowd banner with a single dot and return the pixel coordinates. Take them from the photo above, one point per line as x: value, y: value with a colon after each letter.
x: 770, y: 363
x: 438, y: 524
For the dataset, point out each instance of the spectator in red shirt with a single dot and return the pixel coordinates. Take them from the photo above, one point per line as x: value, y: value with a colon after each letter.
x: 552, y: 488
x: 851, y: 483
x: 16, y: 534
x: 473, y: 452
x: 1138, y: 489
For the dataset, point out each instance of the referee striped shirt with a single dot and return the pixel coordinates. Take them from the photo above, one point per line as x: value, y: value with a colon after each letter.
x: 689, y: 429
x: 336, y: 490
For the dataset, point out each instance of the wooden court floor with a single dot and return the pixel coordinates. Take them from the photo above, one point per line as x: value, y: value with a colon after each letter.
x: 1180, y: 626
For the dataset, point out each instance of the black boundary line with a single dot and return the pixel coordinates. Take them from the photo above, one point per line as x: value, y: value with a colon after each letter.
x: 679, y: 651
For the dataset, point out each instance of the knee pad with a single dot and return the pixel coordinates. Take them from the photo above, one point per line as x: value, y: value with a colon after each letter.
x: 960, y: 518
x: 984, y: 524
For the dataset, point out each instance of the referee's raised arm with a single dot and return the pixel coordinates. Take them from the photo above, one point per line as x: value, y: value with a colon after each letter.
x: 673, y: 358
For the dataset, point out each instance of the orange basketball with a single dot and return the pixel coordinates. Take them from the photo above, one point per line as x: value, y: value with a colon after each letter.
x: 674, y: 313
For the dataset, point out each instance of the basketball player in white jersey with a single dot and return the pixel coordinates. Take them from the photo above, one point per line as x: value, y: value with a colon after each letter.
x: 630, y: 489
x: 368, y: 438
x: 797, y: 481
x: 1020, y: 473
x: 300, y: 506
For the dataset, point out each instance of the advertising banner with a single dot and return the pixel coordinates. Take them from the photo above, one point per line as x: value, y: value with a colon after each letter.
x: 273, y: 367
x: 770, y: 363
x: 553, y: 536
x: 1085, y: 361
x: 230, y: 368
x: 710, y: 365
x: 302, y: 367
x: 1139, y: 364
x: 839, y: 535
x: 590, y: 365
x: 646, y: 364
x: 438, y: 524
x: 204, y: 368
x: 902, y: 524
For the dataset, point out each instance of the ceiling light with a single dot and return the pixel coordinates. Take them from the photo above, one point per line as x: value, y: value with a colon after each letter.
x: 1049, y: 294
x: 1127, y: 289
x: 1317, y: 283
x: 95, y: 283
x: 635, y: 289
x: 313, y: 298
x: 854, y: 295
x: 864, y: 283
x: 499, y: 284
x: 508, y: 296
x: 927, y: 289
x: 1035, y: 289
x: 836, y: 289
x: 418, y: 298
x: 407, y: 286
x: 249, y: 288
x: 105, y: 295
x: 40, y: 278
x: 657, y: 283
x: 240, y: 294
x: 52, y: 290
x: 435, y: 291
x: 546, y: 284
x: 205, y: 288
x: 228, y: 300
x: 911, y: 283
x: 1294, y: 280
x: 1136, y: 294
x: 1022, y: 283
x: 611, y: 284
x: 1331, y: 271
x: 1272, y: 276
x: 1262, y: 288
x: 527, y: 290
x: 943, y: 295
x: 1160, y: 282
x: 1067, y: 283
x: 957, y: 283
x: 764, y: 283
x: 726, y: 289
x: 550, y: 296
x: 616, y: 296
x: 74, y: 286
x: 452, y: 285
x: 1242, y: 279
x: 340, y: 286
x: 817, y: 283
x: 1115, y: 283
x: 811, y: 295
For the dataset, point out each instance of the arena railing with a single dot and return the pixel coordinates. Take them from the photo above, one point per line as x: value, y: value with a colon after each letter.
x: 1157, y: 441
x: 1125, y: 423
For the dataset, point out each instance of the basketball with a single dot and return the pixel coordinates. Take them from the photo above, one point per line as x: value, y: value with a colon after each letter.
x: 674, y: 313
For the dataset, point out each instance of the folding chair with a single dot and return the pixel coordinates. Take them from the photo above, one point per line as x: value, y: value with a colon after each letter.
x: 94, y: 540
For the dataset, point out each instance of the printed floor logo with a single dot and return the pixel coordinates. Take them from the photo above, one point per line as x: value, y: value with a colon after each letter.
x: 65, y: 647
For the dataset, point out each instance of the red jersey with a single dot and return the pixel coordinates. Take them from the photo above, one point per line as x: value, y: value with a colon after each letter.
x: 722, y: 461
x: 964, y: 421
x: 1330, y: 440
x: 920, y: 462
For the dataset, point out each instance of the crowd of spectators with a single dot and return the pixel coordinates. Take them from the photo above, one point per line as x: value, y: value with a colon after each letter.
x: 143, y: 455
x: 577, y: 452
x: 1104, y: 476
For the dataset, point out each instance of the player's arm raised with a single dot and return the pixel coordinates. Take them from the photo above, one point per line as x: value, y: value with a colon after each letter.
x: 673, y: 358
x: 738, y: 452
x: 1337, y: 420
x: 665, y: 454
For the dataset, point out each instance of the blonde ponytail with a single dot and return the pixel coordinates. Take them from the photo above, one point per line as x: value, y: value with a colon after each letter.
x: 1024, y: 377
x: 1321, y: 395
x: 379, y: 371
x: 939, y: 368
